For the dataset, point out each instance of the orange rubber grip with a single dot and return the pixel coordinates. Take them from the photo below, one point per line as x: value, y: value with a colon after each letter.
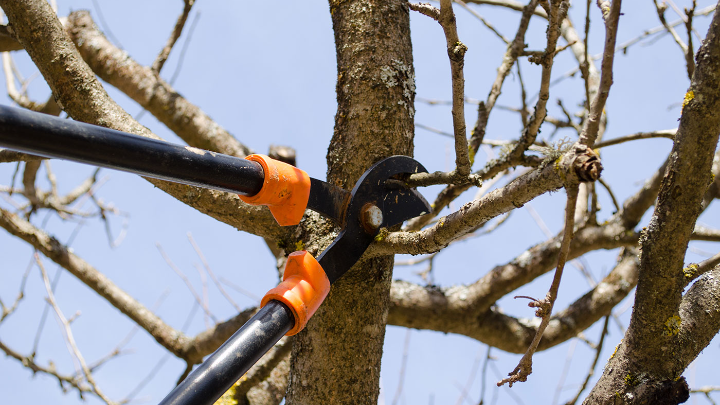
x: 286, y: 190
x: 304, y: 287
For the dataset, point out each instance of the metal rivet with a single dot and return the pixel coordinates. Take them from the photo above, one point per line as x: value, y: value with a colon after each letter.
x: 372, y: 217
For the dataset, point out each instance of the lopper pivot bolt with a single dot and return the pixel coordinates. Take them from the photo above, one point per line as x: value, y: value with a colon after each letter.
x: 287, y: 191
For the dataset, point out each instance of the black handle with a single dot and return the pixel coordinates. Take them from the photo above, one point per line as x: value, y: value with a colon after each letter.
x: 234, y: 358
x: 47, y: 136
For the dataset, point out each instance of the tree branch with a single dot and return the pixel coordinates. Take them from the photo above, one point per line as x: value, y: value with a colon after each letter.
x: 660, y: 311
x: 55, y: 251
x: 7, y: 156
x: 545, y: 306
x: 177, y: 31
x: 578, y: 162
x: 703, y: 233
x: 667, y: 133
x: 141, y: 84
x: 591, y: 129
x: 513, y: 52
x: 456, y: 52
x: 80, y: 94
x: 430, y: 308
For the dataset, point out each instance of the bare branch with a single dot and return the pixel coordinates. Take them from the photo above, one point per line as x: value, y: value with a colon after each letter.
x: 67, y: 332
x: 51, y: 248
x: 147, y: 89
x: 425, y: 9
x: 482, y: 20
x: 683, y: 47
x: 578, y: 161
x: 207, y: 267
x: 703, y: 233
x: 590, y: 373
x: 667, y: 133
x: 662, y: 317
x: 177, y: 31
x: 511, y: 55
x: 443, y: 310
x: 85, y: 100
x: 29, y: 362
x: 29, y: 190
x: 7, y: 156
x: 8, y: 41
x: 693, y: 271
x: 456, y: 52
x: 610, y: 192
x: 187, y: 282
x: 545, y: 306
x: 591, y: 129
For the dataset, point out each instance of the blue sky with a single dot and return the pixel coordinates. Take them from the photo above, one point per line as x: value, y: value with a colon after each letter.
x: 266, y: 72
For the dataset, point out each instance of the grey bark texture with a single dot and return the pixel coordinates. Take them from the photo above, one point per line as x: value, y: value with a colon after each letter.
x: 668, y: 330
x: 336, y: 359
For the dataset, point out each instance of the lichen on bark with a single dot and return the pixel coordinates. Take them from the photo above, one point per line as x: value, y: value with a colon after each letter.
x: 336, y: 359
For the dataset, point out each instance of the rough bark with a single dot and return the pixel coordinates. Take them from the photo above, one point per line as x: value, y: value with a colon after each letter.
x: 8, y: 41
x: 648, y: 365
x: 81, y: 95
x: 336, y: 359
x: 143, y: 85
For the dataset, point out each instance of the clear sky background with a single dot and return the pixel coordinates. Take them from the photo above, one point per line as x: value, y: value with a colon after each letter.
x: 266, y: 72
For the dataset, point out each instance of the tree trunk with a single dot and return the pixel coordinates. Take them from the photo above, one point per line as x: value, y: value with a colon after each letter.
x: 336, y: 359
x: 668, y: 329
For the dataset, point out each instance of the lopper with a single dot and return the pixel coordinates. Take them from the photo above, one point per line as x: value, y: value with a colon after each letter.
x: 374, y: 202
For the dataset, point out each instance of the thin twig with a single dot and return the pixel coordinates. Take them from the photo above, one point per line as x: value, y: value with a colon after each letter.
x: 544, y: 306
x: 690, y: 54
x: 211, y: 273
x: 590, y: 373
x: 154, y: 371
x: 403, y: 365
x: 456, y: 52
x: 684, y: 17
x: 177, y: 31
x: 186, y: 281
x: 105, y: 27
x: 585, y: 65
x: 683, y: 47
x: 647, y: 33
x: 425, y: 9
x: 181, y: 59
x: 206, y: 299
x: 666, y: 133
x: 483, y: 378
x: 240, y: 289
x: 67, y: 331
x: 471, y: 377
x: 21, y: 294
x: 563, y: 375
x: 509, y: 59
x: 523, y: 98
x: 610, y: 192
x: 29, y: 362
x: 591, y: 127
x: 485, y: 22
x: 557, y: 13
x: 693, y: 271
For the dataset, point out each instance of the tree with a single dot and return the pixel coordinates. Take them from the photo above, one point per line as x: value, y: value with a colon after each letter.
x: 337, y: 358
